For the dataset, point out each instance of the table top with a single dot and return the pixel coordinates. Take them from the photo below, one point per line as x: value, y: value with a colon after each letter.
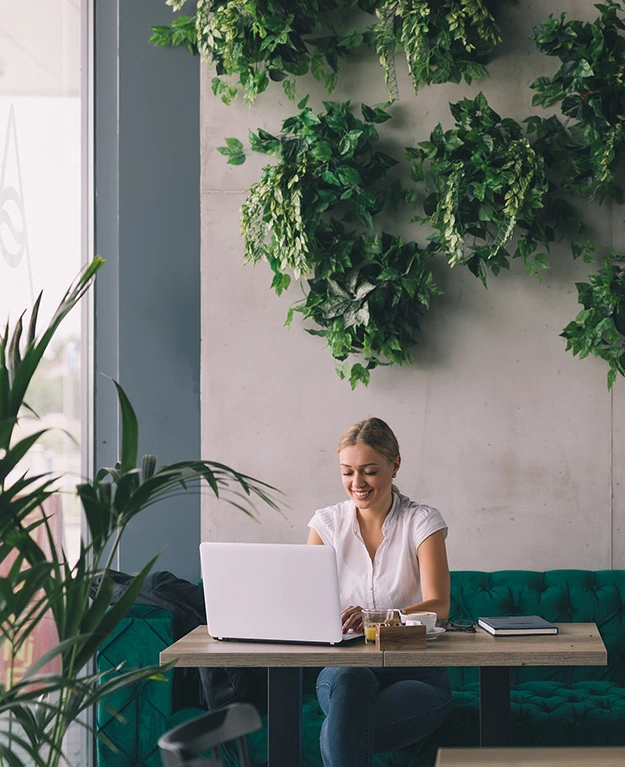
x: 199, y: 649
x: 573, y: 756
x: 577, y: 644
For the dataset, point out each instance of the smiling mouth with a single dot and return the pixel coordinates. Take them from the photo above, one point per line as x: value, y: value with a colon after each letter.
x: 361, y: 494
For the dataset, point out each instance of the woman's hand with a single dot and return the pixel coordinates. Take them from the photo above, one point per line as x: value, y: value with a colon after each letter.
x: 352, y: 618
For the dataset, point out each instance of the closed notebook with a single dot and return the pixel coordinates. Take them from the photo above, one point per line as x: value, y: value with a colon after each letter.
x: 517, y: 625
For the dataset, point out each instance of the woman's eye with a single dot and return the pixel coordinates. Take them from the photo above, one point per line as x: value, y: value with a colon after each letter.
x: 370, y: 473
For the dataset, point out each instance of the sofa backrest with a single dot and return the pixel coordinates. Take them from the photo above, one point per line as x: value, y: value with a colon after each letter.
x: 577, y: 596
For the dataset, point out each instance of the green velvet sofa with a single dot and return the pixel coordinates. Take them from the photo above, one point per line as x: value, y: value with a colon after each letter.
x: 550, y: 705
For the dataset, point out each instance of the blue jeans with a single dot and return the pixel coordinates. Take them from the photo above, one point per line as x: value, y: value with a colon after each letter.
x: 378, y: 709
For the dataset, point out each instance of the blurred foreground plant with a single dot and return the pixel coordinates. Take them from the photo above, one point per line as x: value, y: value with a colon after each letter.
x: 38, y: 582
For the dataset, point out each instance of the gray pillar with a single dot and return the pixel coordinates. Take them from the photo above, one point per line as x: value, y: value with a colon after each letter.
x: 147, y: 296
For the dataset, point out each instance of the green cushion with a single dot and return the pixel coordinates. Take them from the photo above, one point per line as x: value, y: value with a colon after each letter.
x: 145, y: 707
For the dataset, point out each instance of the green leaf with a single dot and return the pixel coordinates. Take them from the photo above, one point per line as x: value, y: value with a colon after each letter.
x: 17, y: 452
x: 377, y: 114
x: 161, y: 35
x: 236, y: 158
x: 280, y: 282
x: 321, y: 151
x: 129, y: 431
x: 330, y: 178
x: 348, y: 175
x: 358, y: 374
x: 540, y: 260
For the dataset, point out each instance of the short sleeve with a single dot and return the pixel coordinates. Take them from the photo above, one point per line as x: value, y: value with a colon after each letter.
x: 323, y: 522
x: 428, y: 520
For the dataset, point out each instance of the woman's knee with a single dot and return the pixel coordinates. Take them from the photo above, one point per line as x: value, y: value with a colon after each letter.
x: 346, y: 678
x: 346, y: 683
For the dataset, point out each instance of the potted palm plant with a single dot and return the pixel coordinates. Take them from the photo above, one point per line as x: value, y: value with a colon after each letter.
x: 41, y: 698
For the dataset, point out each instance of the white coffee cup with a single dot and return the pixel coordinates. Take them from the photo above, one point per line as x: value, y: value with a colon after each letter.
x: 427, y: 618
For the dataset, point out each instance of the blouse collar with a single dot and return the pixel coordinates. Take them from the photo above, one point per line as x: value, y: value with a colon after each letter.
x: 388, y: 520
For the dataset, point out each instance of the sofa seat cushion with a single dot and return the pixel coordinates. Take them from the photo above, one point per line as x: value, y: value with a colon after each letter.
x: 545, y: 714
x: 578, y: 714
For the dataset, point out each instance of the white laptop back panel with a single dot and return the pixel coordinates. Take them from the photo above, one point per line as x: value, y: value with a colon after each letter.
x: 284, y: 592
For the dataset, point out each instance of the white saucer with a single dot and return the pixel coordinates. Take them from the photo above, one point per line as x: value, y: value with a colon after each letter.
x: 436, y: 632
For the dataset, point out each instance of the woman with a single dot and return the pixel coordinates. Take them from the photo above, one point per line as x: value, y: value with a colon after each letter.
x: 390, y: 553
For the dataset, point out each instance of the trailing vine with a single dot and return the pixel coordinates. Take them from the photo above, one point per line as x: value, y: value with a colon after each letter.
x: 443, y: 40
x: 326, y: 164
x: 483, y: 183
x: 369, y: 301
x: 258, y: 41
x: 599, y: 329
x: 590, y: 85
x: 311, y: 217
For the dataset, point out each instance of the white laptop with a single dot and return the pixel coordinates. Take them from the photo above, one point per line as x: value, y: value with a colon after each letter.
x: 272, y: 592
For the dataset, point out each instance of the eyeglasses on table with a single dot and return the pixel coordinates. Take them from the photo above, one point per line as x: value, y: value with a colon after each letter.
x: 462, y: 624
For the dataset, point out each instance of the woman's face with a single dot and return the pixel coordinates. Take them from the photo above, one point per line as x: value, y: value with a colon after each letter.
x: 367, y: 476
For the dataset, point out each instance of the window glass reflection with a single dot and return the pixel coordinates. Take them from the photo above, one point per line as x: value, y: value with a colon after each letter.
x: 41, y: 192
x: 40, y: 212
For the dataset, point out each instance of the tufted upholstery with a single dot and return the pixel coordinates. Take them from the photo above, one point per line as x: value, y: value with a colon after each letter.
x: 146, y: 707
x: 550, y: 705
x: 561, y: 596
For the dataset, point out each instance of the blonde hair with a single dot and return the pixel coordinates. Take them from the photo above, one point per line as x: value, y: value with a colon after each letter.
x: 376, y: 434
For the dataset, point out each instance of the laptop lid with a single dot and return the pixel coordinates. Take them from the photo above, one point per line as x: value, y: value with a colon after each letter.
x: 285, y: 592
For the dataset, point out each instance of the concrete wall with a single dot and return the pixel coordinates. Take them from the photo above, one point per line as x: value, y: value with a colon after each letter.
x: 515, y: 441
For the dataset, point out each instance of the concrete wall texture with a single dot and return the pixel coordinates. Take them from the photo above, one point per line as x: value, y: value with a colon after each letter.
x: 519, y: 444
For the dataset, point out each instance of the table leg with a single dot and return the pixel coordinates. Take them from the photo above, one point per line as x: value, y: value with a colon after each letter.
x: 494, y: 706
x: 284, y: 717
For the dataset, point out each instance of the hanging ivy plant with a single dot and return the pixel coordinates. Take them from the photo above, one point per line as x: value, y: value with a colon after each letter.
x: 256, y: 41
x: 599, y: 329
x: 311, y: 217
x: 443, y: 40
x: 483, y: 183
x: 366, y: 296
x: 327, y: 164
x: 590, y: 84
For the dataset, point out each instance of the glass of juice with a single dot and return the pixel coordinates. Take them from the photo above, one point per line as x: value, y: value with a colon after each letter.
x: 372, y: 618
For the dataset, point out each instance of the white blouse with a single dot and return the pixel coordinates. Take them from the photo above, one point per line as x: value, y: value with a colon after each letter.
x: 392, y: 579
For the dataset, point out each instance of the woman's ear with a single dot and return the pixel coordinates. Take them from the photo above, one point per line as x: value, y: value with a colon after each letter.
x: 396, y: 464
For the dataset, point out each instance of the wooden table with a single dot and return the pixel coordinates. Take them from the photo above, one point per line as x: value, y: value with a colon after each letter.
x: 577, y: 644
x: 573, y: 756
x: 284, y: 664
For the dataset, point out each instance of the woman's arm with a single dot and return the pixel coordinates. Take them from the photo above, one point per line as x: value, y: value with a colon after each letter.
x: 314, y: 537
x: 434, y: 574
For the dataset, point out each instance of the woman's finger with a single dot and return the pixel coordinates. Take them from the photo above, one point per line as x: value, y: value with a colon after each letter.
x: 352, y: 618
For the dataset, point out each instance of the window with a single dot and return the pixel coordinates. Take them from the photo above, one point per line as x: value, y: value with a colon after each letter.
x: 42, y: 225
